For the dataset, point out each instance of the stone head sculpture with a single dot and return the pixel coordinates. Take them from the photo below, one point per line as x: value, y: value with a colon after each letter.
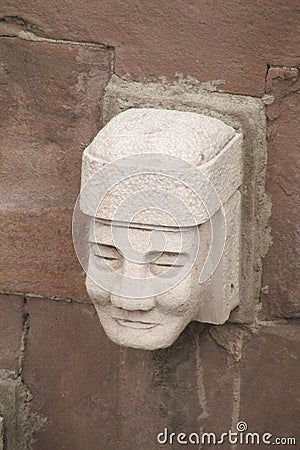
x: 160, y: 188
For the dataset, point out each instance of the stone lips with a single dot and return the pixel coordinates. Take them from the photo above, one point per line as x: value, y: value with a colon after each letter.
x: 133, y: 132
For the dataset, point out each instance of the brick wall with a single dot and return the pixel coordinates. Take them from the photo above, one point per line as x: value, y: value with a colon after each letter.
x: 55, y: 60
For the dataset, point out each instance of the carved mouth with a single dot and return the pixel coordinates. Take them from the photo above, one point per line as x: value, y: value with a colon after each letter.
x: 137, y: 325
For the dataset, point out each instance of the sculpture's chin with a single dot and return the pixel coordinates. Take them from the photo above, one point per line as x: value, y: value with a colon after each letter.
x: 136, y: 336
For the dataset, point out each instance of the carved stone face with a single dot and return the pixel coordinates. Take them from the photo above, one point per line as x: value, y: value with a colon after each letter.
x: 180, y: 172
x: 155, y: 321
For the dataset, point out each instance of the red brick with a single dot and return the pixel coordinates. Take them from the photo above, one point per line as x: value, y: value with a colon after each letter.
x: 269, y: 399
x: 72, y: 371
x: 50, y: 95
x: 231, y: 41
x: 37, y: 254
x: 99, y: 395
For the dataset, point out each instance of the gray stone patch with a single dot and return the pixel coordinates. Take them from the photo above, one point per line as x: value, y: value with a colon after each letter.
x: 18, y: 423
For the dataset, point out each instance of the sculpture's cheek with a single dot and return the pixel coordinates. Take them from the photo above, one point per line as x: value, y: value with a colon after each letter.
x: 97, y: 295
x: 179, y: 300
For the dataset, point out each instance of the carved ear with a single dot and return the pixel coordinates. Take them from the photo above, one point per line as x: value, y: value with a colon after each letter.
x: 224, y: 284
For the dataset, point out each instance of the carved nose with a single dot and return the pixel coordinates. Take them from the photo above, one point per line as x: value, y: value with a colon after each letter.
x: 133, y: 270
x: 133, y: 304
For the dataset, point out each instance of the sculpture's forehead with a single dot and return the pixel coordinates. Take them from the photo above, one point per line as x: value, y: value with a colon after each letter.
x: 144, y: 239
x: 187, y: 135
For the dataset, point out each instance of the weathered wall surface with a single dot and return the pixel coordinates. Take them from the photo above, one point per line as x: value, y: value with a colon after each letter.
x: 281, y: 275
x: 55, y: 60
x: 231, y: 41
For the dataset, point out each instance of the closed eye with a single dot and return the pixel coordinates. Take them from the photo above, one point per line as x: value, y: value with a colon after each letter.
x: 167, y: 264
x: 108, y: 258
x: 104, y: 251
x: 167, y: 259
